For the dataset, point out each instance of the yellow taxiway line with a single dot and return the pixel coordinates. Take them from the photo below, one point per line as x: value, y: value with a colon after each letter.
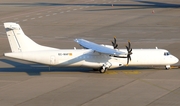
x: 131, y: 72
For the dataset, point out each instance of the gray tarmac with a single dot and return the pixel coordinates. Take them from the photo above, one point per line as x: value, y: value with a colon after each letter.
x: 56, y: 23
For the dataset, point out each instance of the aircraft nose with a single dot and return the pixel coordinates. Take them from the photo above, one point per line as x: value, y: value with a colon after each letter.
x: 175, y: 59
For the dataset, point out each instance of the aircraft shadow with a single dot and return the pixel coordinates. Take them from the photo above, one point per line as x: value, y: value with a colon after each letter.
x: 35, y: 69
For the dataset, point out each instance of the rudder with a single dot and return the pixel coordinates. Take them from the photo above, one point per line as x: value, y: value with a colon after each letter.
x: 11, y: 34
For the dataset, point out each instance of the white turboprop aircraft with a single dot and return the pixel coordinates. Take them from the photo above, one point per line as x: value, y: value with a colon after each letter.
x: 99, y: 57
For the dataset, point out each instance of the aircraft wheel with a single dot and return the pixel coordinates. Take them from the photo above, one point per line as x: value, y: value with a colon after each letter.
x: 168, y: 67
x: 103, y: 70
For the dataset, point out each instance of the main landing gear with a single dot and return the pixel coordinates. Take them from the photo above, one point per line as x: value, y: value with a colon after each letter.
x: 102, y: 70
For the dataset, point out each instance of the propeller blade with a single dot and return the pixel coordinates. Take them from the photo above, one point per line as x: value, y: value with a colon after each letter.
x: 130, y: 50
x: 127, y: 49
x: 129, y: 57
x: 129, y: 44
x: 114, y: 40
x: 114, y: 44
x: 127, y: 61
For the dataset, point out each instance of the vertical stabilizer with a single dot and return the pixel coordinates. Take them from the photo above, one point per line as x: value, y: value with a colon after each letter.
x: 18, y: 41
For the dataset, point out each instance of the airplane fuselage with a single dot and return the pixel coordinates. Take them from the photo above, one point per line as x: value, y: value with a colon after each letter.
x: 89, y: 58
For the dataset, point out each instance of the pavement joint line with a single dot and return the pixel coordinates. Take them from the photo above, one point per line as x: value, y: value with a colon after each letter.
x: 8, y: 81
x: 108, y: 92
x: 25, y: 20
x: 155, y: 85
x: 8, y: 85
x: 47, y: 92
x: 54, y: 13
x: 147, y: 82
x: 28, y: 13
x: 163, y: 96
x: 16, y: 83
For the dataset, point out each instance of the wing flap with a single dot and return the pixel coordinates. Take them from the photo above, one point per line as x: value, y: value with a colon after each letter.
x: 98, y: 48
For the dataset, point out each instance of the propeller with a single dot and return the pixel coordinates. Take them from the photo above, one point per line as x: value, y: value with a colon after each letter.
x: 129, y: 50
x: 114, y: 44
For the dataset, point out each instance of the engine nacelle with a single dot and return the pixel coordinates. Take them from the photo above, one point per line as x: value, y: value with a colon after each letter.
x: 116, y: 65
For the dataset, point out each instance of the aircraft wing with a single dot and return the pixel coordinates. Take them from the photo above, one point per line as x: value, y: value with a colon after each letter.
x: 97, y: 47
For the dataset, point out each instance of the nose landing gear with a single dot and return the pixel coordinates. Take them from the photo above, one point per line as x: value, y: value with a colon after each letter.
x: 167, y: 67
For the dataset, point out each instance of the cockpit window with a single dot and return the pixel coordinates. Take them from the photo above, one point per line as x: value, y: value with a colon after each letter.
x: 166, y: 53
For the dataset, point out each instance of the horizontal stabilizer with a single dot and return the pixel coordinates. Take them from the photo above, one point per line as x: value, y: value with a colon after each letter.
x: 11, y: 25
